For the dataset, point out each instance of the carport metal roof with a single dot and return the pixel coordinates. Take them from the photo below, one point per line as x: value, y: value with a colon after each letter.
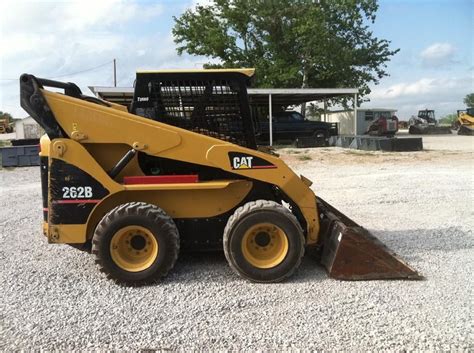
x: 257, y: 97
x: 120, y: 95
x: 294, y: 96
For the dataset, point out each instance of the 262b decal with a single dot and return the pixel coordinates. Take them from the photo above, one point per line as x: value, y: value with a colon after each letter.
x: 77, y: 192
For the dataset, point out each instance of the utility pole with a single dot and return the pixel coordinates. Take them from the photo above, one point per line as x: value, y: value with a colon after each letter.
x: 115, y: 73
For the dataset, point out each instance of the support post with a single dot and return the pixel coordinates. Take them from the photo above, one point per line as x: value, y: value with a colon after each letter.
x: 270, y: 119
x: 115, y: 73
x: 325, y: 110
x: 355, y: 114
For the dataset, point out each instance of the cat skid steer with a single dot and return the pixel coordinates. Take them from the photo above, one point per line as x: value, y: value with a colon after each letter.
x: 180, y: 170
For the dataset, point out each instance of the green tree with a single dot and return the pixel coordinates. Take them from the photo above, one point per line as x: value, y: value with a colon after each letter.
x: 448, y: 119
x: 5, y: 115
x: 469, y: 100
x: 313, y: 112
x: 291, y: 43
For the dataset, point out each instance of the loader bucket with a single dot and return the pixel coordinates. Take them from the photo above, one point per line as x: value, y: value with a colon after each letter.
x: 466, y: 130
x: 350, y: 252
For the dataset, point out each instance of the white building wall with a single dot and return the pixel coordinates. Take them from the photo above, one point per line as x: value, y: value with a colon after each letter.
x: 27, y: 128
x: 346, y: 119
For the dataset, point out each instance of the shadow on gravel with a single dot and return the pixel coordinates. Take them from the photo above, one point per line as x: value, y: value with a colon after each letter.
x: 410, y: 245
x: 310, y: 271
x: 199, y: 266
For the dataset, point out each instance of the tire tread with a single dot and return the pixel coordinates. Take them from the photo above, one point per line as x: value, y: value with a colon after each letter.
x: 249, y: 208
x: 152, y: 212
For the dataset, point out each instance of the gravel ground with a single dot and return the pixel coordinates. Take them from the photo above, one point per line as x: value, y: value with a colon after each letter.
x: 420, y: 204
x: 453, y: 142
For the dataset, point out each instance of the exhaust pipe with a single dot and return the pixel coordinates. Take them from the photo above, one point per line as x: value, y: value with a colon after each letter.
x: 351, y: 252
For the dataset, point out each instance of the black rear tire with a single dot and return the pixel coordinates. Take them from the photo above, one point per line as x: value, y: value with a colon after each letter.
x: 322, y: 134
x: 272, y: 216
x: 136, y: 243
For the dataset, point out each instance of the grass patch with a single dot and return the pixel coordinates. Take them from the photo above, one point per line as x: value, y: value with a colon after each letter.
x: 293, y: 152
x: 305, y: 158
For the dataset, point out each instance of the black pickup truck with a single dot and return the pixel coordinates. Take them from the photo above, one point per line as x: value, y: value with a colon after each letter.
x: 290, y: 125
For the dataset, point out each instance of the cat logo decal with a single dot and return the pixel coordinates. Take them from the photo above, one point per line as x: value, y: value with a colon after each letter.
x: 242, y: 161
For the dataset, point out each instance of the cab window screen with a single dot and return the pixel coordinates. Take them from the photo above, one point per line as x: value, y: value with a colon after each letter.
x: 212, y: 107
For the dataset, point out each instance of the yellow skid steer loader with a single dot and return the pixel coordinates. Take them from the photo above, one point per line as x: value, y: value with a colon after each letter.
x: 180, y: 169
x: 465, y: 122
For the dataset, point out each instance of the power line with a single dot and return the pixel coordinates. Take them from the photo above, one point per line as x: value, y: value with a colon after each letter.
x: 86, y: 70
x: 66, y: 75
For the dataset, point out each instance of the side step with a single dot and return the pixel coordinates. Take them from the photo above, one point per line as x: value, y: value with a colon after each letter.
x: 351, y: 252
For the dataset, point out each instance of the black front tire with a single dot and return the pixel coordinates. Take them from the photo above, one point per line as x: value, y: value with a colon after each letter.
x: 263, y: 212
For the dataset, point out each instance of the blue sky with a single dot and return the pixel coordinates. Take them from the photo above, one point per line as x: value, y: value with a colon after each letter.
x: 434, y: 68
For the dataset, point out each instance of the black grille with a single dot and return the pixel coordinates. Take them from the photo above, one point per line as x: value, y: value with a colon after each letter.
x: 214, y: 107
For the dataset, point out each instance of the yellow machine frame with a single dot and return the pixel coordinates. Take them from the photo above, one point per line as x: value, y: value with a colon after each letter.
x: 89, y: 124
x: 250, y: 203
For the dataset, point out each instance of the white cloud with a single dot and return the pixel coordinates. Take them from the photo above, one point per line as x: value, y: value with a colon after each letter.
x: 204, y: 3
x: 438, y: 54
x: 51, y: 39
x: 443, y: 94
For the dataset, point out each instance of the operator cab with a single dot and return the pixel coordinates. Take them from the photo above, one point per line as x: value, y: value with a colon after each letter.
x: 428, y: 115
x: 209, y: 102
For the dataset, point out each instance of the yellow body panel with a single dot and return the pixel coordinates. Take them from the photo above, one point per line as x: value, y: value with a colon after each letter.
x: 186, y: 200
x: 107, y: 156
x: 178, y: 203
x: 465, y: 119
x: 67, y: 233
x: 205, y: 185
x: 118, y: 106
x: 96, y: 124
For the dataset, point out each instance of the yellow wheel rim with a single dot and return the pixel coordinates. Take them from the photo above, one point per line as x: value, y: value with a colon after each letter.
x: 264, y: 245
x: 134, y: 248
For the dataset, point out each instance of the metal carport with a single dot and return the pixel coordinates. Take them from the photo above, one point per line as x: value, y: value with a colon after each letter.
x: 257, y: 96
